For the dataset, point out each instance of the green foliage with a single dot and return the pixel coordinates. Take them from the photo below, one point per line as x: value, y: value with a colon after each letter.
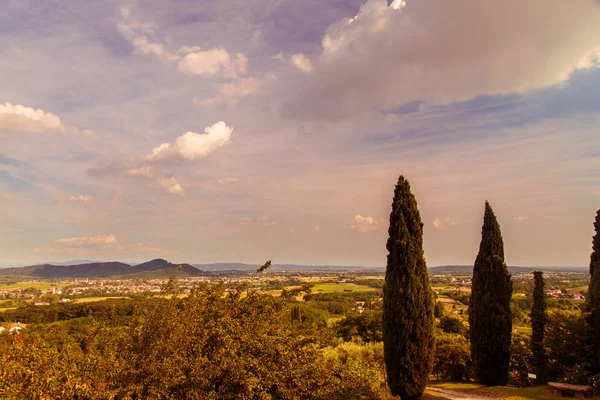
x: 490, y: 315
x: 358, y: 369
x: 407, y: 300
x: 520, y: 359
x: 452, y: 357
x: 565, y: 343
x: 452, y: 323
x: 538, y: 326
x: 367, y: 326
x: 113, y: 309
x: 438, y: 310
x: 593, y: 299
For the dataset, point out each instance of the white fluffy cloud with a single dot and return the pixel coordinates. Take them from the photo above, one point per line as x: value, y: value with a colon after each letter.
x: 169, y: 184
x: 301, y: 62
x: 192, y: 145
x: 230, y: 93
x: 214, y: 62
x: 363, y: 224
x: 190, y: 60
x: 447, y: 51
x: 18, y: 118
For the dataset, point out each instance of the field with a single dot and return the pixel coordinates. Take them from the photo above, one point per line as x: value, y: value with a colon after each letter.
x: 329, y: 288
x: 92, y: 299
x: 340, y: 287
x: 40, y: 285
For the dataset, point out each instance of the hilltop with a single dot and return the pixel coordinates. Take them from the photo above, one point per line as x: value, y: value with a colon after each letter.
x: 157, y: 268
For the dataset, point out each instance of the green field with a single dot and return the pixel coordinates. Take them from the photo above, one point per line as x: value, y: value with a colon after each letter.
x: 40, y: 285
x: 92, y: 299
x: 329, y: 288
x: 340, y: 287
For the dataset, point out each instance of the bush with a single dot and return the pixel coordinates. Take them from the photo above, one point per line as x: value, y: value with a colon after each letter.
x: 452, y: 357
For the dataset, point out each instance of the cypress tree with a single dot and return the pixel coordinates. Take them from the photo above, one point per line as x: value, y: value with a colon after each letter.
x: 593, y: 299
x: 490, y: 317
x: 538, y: 325
x: 408, y: 301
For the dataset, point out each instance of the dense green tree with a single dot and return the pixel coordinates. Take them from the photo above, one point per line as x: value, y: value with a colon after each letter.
x: 490, y: 317
x: 407, y: 300
x: 538, y: 326
x: 593, y: 299
x: 452, y: 323
x: 438, y: 310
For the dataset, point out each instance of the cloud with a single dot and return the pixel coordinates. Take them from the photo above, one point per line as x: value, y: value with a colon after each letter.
x: 81, y: 198
x: 188, y: 147
x: 138, y: 33
x: 18, y: 118
x: 230, y: 93
x: 519, y: 218
x: 87, y: 244
x: 443, y: 52
x: 89, y: 241
x: 190, y: 60
x: 363, y: 224
x: 169, y: 184
x: 301, y: 62
x: 192, y: 145
x: 214, y: 62
x: 437, y: 223
x: 158, y: 180
x: 298, y: 60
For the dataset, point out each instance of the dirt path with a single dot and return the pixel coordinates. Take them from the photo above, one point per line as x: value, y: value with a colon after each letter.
x: 455, y: 395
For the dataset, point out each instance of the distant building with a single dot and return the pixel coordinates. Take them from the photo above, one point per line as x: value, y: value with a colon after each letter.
x: 16, y: 327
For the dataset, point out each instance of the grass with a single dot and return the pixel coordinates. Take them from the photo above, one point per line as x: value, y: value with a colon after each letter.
x: 340, y: 287
x: 6, y: 309
x: 98, y: 298
x: 40, y: 285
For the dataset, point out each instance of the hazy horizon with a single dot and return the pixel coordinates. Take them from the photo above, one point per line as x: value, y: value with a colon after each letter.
x: 214, y: 130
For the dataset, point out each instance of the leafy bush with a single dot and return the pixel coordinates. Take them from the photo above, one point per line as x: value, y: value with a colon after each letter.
x: 452, y: 357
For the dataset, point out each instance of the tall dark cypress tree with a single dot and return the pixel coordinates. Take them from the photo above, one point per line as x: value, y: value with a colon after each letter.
x: 538, y: 325
x: 593, y: 299
x: 408, y: 301
x: 490, y: 317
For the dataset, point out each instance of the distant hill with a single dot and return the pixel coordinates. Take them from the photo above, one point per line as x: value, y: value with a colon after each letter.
x: 279, y: 267
x: 152, y: 269
x: 468, y: 269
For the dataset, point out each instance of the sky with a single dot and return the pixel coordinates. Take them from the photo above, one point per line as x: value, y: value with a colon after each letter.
x: 227, y: 131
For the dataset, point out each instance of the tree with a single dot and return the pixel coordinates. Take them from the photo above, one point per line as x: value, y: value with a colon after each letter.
x: 490, y: 317
x: 407, y: 300
x: 593, y: 298
x: 452, y: 358
x: 538, y: 326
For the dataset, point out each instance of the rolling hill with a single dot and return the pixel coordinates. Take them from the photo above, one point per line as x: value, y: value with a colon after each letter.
x: 157, y: 268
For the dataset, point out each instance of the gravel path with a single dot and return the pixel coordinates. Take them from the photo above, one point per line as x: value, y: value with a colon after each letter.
x: 454, y: 395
